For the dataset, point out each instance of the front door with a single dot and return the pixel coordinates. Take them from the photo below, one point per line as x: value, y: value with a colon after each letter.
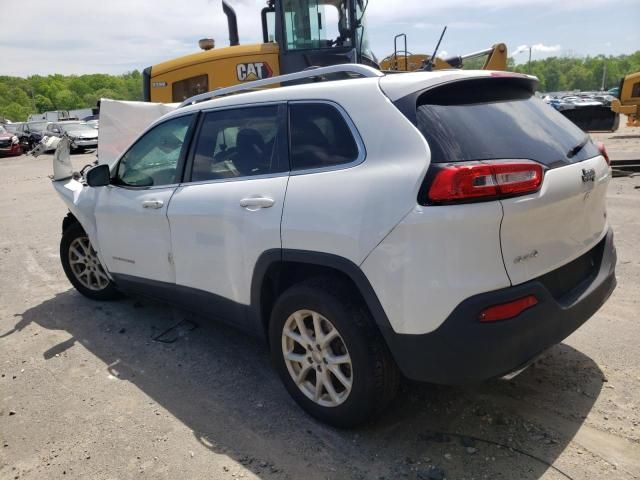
x: 131, y: 214
x: 228, y: 212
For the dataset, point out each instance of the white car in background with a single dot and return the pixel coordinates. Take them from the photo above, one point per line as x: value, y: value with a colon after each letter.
x: 82, y: 135
x: 446, y: 226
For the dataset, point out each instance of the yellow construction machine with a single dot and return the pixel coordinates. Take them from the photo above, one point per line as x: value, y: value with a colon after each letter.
x: 495, y: 58
x: 296, y: 35
x: 628, y: 101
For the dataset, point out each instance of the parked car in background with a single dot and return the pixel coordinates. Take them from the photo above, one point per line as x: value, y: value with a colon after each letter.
x: 93, y: 120
x: 30, y: 133
x: 12, y: 127
x: 81, y: 135
x: 9, y: 143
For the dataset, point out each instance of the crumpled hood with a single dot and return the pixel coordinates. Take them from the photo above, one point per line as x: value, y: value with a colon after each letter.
x: 122, y: 122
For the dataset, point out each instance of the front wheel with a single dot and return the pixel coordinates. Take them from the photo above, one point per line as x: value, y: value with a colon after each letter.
x: 82, y: 266
x: 330, y: 355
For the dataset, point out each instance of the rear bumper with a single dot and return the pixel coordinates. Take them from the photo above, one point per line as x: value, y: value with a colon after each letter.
x: 463, y: 350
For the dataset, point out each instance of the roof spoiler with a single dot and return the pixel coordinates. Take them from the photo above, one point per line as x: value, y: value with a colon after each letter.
x: 232, y: 23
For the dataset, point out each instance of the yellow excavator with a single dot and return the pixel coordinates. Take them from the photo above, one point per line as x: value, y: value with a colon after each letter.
x: 628, y: 101
x: 296, y: 35
x: 495, y: 58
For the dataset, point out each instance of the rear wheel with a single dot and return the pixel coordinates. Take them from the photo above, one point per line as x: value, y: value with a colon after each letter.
x: 330, y: 355
x: 82, y: 266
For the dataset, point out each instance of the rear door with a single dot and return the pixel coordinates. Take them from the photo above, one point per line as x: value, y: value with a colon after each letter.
x: 486, y: 120
x: 228, y: 211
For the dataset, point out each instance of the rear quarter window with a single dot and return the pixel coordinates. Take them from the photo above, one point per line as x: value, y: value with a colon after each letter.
x: 320, y: 137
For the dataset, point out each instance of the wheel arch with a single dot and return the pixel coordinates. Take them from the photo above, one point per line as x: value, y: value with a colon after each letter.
x: 68, y: 220
x: 276, y: 270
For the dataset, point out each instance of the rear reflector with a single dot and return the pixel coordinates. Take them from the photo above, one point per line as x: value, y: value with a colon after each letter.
x: 603, y: 151
x: 490, y: 180
x: 507, y: 310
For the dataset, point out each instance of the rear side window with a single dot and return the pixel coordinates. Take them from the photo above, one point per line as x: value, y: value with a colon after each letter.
x: 320, y: 137
x: 238, y: 143
x: 489, y: 119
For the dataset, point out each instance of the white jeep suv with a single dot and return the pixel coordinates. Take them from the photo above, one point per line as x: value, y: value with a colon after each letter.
x: 446, y: 226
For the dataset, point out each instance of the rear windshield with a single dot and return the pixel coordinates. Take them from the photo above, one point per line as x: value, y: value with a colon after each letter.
x: 483, y: 120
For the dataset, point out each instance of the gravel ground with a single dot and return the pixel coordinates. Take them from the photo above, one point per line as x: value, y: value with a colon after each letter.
x: 87, y: 391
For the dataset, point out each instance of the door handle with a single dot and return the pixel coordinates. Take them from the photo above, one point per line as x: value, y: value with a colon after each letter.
x: 257, y: 202
x: 152, y: 204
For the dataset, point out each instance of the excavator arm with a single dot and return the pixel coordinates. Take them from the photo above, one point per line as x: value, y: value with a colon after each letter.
x: 496, y: 59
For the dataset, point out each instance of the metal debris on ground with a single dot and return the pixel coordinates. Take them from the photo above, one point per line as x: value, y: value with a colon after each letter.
x: 172, y: 334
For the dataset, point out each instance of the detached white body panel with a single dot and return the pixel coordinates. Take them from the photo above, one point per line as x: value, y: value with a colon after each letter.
x: 122, y: 122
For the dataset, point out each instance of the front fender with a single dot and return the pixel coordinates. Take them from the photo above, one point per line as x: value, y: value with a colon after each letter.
x: 81, y: 202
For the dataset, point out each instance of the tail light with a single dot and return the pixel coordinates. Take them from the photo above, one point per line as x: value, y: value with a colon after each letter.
x: 483, y: 181
x: 603, y: 151
x: 508, y: 310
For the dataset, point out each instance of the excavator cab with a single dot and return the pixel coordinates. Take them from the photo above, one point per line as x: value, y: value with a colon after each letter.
x: 320, y: 33
x: 296, y: 35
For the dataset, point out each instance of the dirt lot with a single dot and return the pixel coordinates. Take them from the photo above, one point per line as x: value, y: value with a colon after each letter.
x: 87, y: 392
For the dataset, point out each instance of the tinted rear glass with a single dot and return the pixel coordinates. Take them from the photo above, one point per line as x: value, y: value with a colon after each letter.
x: 475, y: 120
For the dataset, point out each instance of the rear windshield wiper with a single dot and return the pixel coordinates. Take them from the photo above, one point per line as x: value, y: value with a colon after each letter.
x: 574, y: 151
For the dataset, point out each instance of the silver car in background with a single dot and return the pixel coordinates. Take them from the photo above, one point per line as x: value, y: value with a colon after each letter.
x: 81, y: 135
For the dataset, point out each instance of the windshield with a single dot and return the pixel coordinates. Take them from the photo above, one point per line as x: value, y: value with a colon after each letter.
x: 3, y: 130
x: 312, y: 24
x: 11, y: 128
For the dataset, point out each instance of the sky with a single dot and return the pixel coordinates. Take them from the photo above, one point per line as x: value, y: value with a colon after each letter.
x: 116, y: 36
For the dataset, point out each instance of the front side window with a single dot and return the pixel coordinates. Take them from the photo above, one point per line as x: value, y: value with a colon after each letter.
x: 154, y: 159
x: 320, y: 137
x: 237, y: 143
x: 189, y: 87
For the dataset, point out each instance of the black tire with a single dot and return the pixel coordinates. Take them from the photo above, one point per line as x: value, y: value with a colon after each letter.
x: 375, y: 376
x: 71, y: 233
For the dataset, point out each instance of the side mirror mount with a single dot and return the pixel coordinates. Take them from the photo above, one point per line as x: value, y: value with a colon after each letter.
x: 99, y: 176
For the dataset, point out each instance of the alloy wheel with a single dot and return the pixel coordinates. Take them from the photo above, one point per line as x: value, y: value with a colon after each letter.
x: 317, y: 358
x: 86, y: 266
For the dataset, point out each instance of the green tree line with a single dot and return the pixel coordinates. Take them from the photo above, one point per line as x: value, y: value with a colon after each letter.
x: 567, y: 73
x: 20, y: 97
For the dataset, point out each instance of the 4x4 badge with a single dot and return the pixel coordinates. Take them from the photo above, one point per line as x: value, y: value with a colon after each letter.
x: 588, y: 175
